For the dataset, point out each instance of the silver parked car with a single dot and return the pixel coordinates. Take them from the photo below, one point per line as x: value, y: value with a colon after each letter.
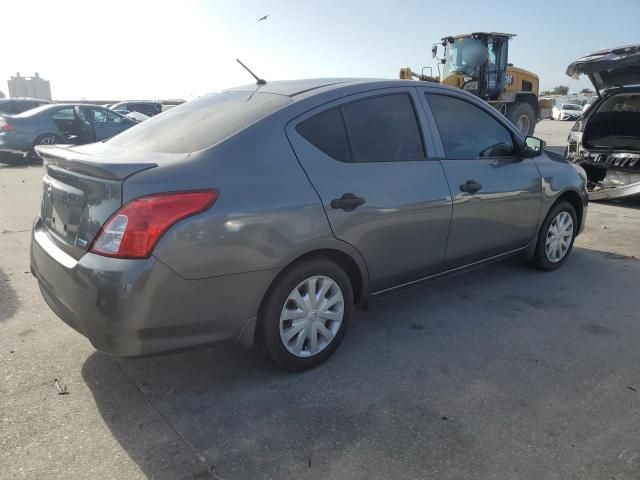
x: 263, y: 214
x: 62, y: 123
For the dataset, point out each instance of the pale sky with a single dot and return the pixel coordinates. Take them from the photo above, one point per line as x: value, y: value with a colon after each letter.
x: 185, y: 48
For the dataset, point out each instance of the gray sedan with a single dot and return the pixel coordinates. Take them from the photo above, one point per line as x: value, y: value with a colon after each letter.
x: 264, y: 214
x: 59, y: 124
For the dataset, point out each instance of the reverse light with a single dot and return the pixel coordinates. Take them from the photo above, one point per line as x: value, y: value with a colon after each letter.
x: 135, y: 229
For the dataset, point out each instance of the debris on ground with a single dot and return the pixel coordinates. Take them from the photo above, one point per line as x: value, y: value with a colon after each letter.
x: 60, y: 387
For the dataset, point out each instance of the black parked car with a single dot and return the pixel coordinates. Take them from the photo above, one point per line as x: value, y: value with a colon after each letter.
x: 145, y: 107
x: 13, y: 106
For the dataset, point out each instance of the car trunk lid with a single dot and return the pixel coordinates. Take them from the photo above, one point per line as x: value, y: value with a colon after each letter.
x: 81, y: 190
x: 617, y: 67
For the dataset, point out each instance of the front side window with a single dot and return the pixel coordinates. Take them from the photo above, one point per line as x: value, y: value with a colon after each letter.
x: 112, y: 117
x: 467, y: 131
x: 99, y: 116
x: 377, y: 129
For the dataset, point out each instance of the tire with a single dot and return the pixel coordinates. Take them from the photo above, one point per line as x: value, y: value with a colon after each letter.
x: 44, y: 139
x: 47, y: 139
x: 545, y: 258
x: 280, y: 311
x: 523, y: 117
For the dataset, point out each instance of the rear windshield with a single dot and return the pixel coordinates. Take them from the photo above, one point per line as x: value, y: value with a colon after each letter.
x: 570, y: 106
x: 200, y: 123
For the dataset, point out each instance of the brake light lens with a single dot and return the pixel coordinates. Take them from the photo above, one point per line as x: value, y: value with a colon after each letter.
x: 135, y: 229
x: 5, y: 126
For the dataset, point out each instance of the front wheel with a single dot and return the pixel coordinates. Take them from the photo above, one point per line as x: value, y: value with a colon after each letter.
x: 556, y: 237
x: 306, y: 314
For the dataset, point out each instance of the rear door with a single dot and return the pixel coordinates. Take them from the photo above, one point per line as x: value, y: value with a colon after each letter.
x: 370, y: 162
x: 496, y: 192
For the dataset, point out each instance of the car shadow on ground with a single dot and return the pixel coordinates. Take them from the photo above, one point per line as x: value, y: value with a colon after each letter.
x: 8, y: 298
x: 454, y: 379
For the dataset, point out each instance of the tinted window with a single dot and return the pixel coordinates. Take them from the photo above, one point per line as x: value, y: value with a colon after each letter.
x: 200, y: 123
x: 377, y: 129
x: 467, y: 131
x: 326, y: 131
x: 383, y: 129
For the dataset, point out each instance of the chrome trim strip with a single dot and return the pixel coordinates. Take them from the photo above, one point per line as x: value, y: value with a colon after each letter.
x: 453, y: 270
x: 55, y: 252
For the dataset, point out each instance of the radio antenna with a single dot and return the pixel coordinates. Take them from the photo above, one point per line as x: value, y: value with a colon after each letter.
x: 259, y: 81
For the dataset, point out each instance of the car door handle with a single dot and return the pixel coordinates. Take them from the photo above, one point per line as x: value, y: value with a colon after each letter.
x: 470, y: 187
x: 347, y: 202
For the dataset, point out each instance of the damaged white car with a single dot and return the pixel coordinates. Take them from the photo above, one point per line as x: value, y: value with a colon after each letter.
x: 606, y: 140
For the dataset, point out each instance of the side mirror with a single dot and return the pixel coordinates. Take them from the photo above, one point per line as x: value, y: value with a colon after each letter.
x: 533, y: 147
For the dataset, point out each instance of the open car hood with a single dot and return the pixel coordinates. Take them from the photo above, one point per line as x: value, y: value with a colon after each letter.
x: 616, y: 67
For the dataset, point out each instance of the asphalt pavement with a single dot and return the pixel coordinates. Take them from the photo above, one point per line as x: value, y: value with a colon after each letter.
x: 501, y: 373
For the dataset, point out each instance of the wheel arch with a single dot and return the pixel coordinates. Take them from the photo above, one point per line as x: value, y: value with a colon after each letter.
x: 354, y: 268
x: 575, y: 200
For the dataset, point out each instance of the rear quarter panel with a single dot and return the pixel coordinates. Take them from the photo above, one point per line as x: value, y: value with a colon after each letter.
x: 267, y: 213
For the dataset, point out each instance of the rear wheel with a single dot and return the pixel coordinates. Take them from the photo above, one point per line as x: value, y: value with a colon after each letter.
x: 556, y: 237
x: 306, y: 314
x: 47, y: 139
x: 523, y: 117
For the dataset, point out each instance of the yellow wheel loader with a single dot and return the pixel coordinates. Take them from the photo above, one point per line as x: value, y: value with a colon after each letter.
x: 479, y: 63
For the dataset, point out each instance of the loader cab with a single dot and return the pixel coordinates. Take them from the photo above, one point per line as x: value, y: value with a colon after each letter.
x: 477, y: 63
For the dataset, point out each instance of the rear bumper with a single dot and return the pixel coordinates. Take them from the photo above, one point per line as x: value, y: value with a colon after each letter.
x: 139, y: 307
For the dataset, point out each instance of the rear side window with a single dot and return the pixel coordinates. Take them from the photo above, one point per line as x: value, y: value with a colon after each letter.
x: 200, y: 123
x: 63, y: 114
x: 377, y: 129
x: 326, y: 131
x: 469, y: 132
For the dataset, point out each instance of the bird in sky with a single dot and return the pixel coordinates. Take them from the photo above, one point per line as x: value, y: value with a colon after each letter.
x: 263, y: 18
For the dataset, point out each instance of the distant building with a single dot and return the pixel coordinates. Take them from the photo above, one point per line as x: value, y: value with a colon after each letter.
x: 32, y: 87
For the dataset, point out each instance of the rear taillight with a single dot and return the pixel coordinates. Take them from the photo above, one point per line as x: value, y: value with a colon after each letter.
x: 5, y: 126
x: 134, y: 230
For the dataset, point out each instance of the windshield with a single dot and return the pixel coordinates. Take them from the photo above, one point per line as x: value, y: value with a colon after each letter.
x: 465, y: 55
x: 200, y: 123
x: 571, y: 106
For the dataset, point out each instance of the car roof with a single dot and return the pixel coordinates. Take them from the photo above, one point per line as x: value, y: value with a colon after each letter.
x: 297, y: 89
x: 24, y: 99
x: 52, y: 106
x: 136, y: 101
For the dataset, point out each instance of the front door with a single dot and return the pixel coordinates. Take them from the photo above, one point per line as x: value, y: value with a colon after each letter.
x: 370, y: 162
x: 496, y: 193
x: 106, y: 123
